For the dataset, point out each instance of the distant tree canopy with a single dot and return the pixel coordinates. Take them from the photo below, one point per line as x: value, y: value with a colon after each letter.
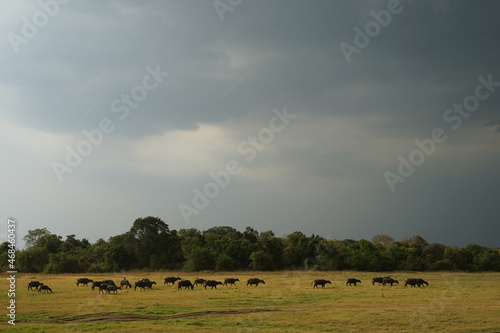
x: 151, y: 245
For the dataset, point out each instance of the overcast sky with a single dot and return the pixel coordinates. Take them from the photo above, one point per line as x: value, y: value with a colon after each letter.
x: 306, y: 112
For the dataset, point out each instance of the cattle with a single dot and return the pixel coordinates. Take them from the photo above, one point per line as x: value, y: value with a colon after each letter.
x: 111, y: 282
x: 83, y: 281
x: 421, y: 282
x: 378, y: 280
x: 320, y: 282
x: 186, y: 284
x: 211, y: 283
x: 143, y: 283
x: 103, y: 287
x: 44, y: 287
x: 96, y: 284
x: 416, y: 282
x: 410, y: 282
x: 34, y: 284
x: 125, y: 283
x: 352, y: 281
x: 255, y: 281
x: 112, y: 288
x: 171, y: 280
x: 389, y: 280
x: 230, y: 281
x: 199, y: 281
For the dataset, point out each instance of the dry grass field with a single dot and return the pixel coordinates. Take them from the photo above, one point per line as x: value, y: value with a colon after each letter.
x: 453, y: 302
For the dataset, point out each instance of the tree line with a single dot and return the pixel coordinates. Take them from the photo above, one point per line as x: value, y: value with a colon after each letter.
x: 151, y: 245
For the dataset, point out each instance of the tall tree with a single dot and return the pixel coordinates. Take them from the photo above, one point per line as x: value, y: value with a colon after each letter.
x: 33, y: 236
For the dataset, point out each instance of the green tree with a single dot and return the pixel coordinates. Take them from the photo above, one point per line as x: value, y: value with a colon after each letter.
x: 272, y: 247
x: 153, y: 237
x: 224, y: 263
x: 200, y: 259
x: 33, y: 236
x: 261, y: 261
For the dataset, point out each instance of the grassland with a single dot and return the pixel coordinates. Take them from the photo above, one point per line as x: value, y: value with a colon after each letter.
x: 453, y: 302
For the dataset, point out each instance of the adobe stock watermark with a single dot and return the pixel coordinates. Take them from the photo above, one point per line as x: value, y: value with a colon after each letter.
x: 30, y: 27
x: 11, y: 273
x: 453, y: 117
x: 222, y: 6
x: 122, y: 107
x: 249, y: 149
x: 372, y: 29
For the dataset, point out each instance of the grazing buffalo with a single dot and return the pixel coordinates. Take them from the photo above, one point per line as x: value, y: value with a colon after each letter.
x: 143, y: 283
x: 211, y: 283
x: 44, y: 287
x: 199, y: 281
x: 230, y: 281
x: 410, y: 282
x: 96, y: 284
x: 83, y: 281
x: 112, y: 288
x: 111, y: 282
x: 416, y: 282
x: 352, y: 281
x: 421, y: 282
x: 255, y: 281
x: 103, y: 287
x: 389, y: 280
x: 378, y: 280
x: 171, y: 280
x: 125, y: 283
x: 185, y: 283
x: 34, y: 284
x: 320, y: 282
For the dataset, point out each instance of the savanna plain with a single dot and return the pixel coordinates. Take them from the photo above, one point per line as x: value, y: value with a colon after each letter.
x: 287, y: 302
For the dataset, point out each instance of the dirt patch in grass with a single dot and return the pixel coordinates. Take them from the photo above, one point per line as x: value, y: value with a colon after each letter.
x: 106, y: 317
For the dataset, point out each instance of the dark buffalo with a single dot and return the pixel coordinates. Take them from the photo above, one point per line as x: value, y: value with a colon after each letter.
x: 103, y: 287
x: 199, y: 281
x: 83, y: 281
x: 378, y: 280
x: 255, y: 281
x: 410, y: 282
x: 185, y: 283
x: 112, y: 288
x: 171, y: 280
x: 352, y: 281
x: 111, y: 282
x: 230, y: 281
x: 143, y: 283
x: 389, y: 280
x: 44, y: 287
x: 421, y: 282
x: 320, y: 282
x: 416, y: 282
x: 211, y: 283
x: 96, y: 284
x: 125, y: 283
x: 34, y: 284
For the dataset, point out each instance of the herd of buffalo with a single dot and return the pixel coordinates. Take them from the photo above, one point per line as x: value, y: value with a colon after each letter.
x: 109, y: 286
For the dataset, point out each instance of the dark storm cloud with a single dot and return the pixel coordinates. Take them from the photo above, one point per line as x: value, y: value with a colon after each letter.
x: 225, y: 77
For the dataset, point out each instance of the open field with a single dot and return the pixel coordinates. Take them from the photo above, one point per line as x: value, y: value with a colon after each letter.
x: 453, y: 302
